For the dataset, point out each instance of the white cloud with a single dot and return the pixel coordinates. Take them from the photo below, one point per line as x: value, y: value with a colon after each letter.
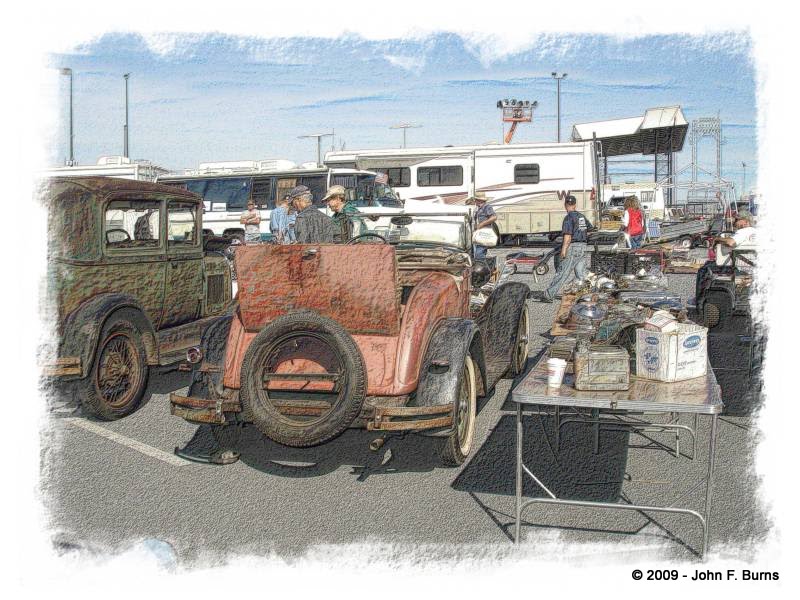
x: 412, y: 64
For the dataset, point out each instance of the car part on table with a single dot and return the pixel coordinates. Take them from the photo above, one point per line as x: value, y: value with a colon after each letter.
x: 600, y: 367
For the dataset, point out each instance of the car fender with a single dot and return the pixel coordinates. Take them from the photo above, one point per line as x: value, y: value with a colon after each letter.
x: 440, y: 369
x: 498, y: 326
x: 213, y: 345
x: 83, y: 326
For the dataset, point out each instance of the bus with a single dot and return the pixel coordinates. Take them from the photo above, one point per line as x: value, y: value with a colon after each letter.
x: 526, y: 184
x: 226, y: 188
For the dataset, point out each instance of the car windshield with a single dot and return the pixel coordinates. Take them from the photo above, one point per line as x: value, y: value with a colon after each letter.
x: 436, y: 229
x: 368, y: 192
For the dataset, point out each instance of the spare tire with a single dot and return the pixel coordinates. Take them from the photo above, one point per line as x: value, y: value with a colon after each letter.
x: 303, y: 380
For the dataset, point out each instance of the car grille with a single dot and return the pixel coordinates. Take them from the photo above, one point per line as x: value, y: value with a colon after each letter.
x: 216, y: 289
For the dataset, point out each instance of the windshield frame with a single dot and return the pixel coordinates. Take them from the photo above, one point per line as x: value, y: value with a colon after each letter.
x: 456, y: 217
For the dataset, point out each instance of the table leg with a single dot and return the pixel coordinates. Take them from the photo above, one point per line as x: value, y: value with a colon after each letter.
x: 518, y: 491
x: 558, y: 428
x: 712, y: 447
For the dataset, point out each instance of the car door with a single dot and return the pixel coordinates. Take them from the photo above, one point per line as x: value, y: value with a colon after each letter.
x: 183, y: 295
x: 133, y: 252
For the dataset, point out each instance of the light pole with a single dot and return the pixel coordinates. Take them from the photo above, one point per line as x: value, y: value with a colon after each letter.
x: 125, y: 129
x: 318, y: 137
x: 405, y: 126
x: 744, y: 178
x: 71, y: 161
x: 558, y: 79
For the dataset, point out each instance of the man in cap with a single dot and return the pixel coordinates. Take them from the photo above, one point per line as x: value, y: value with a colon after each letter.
x: 345, y: 214
x: 574, y: 228
x: 484, y: 217
x: 251, y: 220
x: 311, y: 225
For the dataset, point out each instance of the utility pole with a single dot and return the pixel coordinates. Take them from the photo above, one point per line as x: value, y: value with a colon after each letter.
x: 558, y: 79
x: 125, y: 130
x: 405, y: 126
x: 71, y: 162
x: 318, y: 137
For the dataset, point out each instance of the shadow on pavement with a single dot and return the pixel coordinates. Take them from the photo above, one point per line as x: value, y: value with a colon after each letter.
x: 574, y: 472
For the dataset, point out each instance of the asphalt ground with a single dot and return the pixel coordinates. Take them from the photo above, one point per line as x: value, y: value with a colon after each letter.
x: 110, y: 485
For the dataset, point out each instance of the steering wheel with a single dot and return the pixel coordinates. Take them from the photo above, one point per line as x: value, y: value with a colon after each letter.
x: 366, y: 235
x: 121, y: 234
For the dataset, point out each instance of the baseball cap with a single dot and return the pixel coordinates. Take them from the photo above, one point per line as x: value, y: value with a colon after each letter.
x: 298, y: 191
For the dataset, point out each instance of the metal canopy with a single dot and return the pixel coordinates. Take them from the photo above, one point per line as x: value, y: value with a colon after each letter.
x: 659, y: 131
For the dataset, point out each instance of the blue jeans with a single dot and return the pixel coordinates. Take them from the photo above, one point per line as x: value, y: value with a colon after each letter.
x: 636, y: 241
x: 573, y: 262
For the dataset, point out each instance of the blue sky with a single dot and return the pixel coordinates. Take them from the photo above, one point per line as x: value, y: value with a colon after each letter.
x: 207, y: 97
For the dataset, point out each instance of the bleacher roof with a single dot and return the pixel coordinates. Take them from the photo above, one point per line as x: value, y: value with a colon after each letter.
x: 659, y: 130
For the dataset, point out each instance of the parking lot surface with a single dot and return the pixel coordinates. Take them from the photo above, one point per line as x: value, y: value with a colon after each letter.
x: 112, y: 484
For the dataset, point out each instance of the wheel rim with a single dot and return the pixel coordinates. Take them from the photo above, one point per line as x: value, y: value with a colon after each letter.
x: 465, y: 409
x: 521, y: 347
x: 119, y: 371
x: 311, y: 395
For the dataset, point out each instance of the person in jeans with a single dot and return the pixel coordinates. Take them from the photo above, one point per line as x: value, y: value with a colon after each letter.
x: 484, y: 217
x: 633, y: 222
x: 574, y: 229
x: 251, y: 219
x: 279, y: 221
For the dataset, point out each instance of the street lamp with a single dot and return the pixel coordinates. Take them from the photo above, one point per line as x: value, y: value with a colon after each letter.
x: 67, y: 71
x: 318, y: 137
x: 558, y: 79
x: 744, y: 178
x: 125, y: 129
x: 405, y: 126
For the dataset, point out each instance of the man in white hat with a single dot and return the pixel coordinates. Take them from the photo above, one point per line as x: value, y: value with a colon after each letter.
x: 484, y: 217
x: 345, y: 214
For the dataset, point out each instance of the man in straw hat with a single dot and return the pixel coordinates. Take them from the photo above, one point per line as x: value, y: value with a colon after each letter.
x: 484, y: 217
x: 345, y: 214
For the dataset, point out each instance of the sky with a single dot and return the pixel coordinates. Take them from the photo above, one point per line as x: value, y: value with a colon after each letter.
x: 212, y: 97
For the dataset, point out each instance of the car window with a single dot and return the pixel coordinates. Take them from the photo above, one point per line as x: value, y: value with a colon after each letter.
x: 132, y: 224
x: 182, y: 224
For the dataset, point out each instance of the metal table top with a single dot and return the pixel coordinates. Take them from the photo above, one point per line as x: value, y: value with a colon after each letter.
x: 700, y: 395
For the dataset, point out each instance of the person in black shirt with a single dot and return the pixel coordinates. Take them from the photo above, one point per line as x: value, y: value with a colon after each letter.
x: 573, y: 248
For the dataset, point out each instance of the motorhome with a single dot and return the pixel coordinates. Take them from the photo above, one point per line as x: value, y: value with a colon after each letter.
x: 525, y: 183
x: 120, y: 167
x: 227, y: 186
x: 649, y: 195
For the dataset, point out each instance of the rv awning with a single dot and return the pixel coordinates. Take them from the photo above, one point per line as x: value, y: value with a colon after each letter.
x: 660, y: 130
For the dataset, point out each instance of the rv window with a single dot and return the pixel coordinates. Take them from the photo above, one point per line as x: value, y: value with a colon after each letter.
x: 526, y: 173
x: 398, y: 176
x: 232, y: 192
x: 647, y: 197
x: 440, y: 176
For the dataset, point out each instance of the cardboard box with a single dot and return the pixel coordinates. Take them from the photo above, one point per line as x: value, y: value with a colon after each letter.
x: 674, y: 356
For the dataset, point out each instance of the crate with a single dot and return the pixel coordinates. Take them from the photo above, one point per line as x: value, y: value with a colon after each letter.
x: 626, y: 262
x: 603, y: 262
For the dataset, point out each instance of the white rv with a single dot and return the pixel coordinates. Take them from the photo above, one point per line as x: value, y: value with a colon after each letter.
x: 111, y: 166
x: 649, y: 195
x: 525, y: 183
x: 227, y: 186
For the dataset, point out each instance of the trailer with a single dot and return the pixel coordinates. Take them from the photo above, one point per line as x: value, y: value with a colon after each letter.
x: 687, y: 233
x: 526, y: 184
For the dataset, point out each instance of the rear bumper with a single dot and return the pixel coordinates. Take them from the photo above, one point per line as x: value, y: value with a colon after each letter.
x: 372, y: 418
x: 64, y: 366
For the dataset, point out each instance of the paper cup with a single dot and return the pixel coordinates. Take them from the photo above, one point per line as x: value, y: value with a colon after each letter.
x: 555, y: 371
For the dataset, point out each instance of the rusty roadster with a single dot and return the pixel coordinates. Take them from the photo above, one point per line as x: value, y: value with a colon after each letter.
x: 399, y: 330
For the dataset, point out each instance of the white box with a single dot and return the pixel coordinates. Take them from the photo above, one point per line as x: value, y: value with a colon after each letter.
x: 674, y: 356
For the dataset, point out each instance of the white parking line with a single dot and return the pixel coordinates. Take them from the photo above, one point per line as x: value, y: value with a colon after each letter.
x: 166, y: 457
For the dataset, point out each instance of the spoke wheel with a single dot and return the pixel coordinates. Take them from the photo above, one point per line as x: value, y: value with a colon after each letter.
x: 458, y: 444
x: 519, y: 358
x: 116, y: 383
